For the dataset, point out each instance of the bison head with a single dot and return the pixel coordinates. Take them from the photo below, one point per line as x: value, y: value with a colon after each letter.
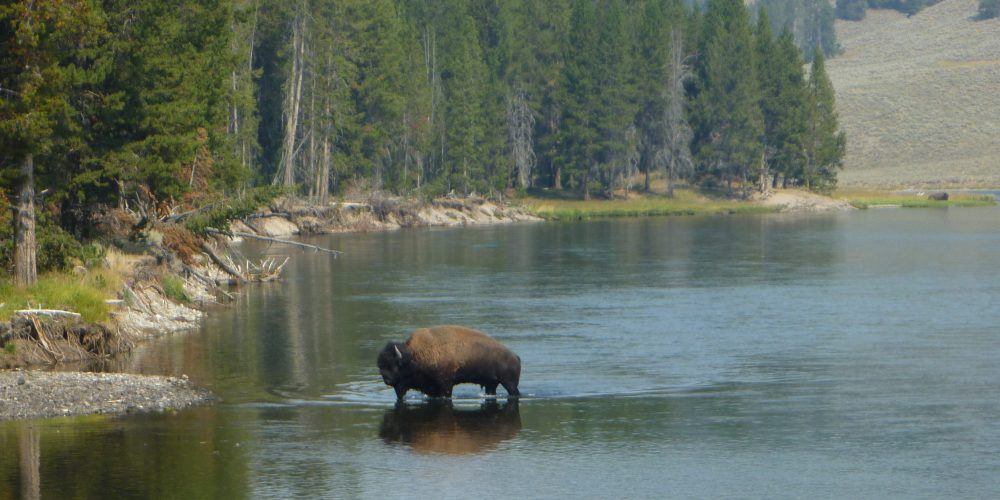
x: 393, y: 362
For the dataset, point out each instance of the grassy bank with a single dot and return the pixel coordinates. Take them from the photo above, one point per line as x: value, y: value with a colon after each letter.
x: 685, y: 202
x: 84, y: 293
x: 872, y: 198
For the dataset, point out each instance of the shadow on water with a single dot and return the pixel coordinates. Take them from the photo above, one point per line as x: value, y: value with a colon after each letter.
x: 440, y: 427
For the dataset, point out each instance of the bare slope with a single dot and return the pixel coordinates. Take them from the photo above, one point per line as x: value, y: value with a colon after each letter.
x: 919, y: 97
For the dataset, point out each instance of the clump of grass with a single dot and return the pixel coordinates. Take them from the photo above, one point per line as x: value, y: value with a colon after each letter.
x: 173, y: 288
x: 684, y: 203
x: 867, y: 198
x: 84, y: 294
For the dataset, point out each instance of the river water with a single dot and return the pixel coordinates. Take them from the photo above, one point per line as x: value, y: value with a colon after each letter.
x: 851, y: 355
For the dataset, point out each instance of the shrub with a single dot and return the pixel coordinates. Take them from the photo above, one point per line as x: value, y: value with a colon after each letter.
x: 173, y: 288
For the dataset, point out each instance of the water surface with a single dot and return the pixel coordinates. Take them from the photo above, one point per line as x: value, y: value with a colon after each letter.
x: 846, y: 355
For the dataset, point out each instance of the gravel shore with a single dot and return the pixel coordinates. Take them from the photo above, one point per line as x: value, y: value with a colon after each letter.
x: 38, y: 394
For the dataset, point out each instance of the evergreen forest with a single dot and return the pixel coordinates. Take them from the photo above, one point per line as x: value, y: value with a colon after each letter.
x: 110, y: 103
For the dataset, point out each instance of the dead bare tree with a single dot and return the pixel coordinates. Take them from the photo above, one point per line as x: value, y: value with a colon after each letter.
x: 675, y: 151
x: 520, y: 131
x: 293, y: 99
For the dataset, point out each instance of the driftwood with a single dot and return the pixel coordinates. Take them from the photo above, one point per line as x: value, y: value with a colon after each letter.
x: 211, y: 283
x: 273, y: 240
x: 235, y: 273
x: 267, y: 270
x: 46, y: 312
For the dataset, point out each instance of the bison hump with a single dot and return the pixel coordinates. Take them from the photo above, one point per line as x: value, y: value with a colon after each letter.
x: 451, y: 345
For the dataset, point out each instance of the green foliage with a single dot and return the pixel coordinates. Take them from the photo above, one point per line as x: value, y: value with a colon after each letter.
x: 686, y: 202
x: 809, y: 21
x: 173, y: 288
x: 166, y: 106
x: 57, y: 249
x: 825, y: 143
x: 851, y: 10
x: 726, y: 113
x: 218, y: 215
x: 908, y: 7
x: 58, y: 291
x: 988, y: 9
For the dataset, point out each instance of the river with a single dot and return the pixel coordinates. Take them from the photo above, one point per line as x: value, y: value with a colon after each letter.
x: 849, y: 355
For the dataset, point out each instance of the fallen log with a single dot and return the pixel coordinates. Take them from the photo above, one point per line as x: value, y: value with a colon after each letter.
x: 221, y: 263
x: 46, y: 312
x: 273, y: 240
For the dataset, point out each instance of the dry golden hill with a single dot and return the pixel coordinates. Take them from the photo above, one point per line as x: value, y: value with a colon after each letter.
x: 919, y: 97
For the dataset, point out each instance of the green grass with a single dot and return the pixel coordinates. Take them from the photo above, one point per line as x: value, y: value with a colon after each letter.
x: 84, y: 294
x: 684, y: 203
x: 173, y: 288
x: 868, y: 198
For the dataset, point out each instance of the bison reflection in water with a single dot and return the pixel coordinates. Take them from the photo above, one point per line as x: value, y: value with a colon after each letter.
x: 438, y: 427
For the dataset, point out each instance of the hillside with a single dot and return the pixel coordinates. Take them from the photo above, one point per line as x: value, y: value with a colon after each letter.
x: 919, y: 97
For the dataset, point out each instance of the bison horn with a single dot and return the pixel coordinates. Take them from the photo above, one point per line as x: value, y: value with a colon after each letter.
x: 398, y: 354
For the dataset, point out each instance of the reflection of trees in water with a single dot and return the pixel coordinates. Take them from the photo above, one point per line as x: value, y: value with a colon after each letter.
x: 739, y: 250
x: 439, y: 427
x: 193, y: 454
x: 30, y: 454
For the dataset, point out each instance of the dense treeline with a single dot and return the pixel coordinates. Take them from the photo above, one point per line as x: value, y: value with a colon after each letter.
x: 854, y: 10
x: 162, y: 104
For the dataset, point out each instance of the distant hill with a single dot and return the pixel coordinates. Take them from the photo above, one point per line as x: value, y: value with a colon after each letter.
x: 919, y: 97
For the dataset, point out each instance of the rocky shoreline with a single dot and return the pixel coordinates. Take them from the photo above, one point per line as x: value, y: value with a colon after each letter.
x: 33, y: 394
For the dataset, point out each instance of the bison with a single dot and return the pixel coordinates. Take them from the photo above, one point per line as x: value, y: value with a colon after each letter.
x: 436, y: 359
x: 938, y: 196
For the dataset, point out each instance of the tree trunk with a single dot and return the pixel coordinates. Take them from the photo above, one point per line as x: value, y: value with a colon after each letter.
x: 294, y: 100
x: 324, y: 171
x: 25, y: 249
x: 586, y: 185
x: 557, y: 178
x: 670, y: 177
x: 646, y: 186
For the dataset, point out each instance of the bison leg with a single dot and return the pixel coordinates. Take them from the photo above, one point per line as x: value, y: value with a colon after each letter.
x: 400, y: 392
x: 491, y: 388
x: 512, y: 391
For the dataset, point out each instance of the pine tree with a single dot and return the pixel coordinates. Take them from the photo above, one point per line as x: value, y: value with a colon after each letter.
x: 536, y: 32
x: 782, y: 102
x: 464, y: 78
x: 578, y: 98
x: 615, y: 112
x: 652, y: 46
x: 851, y: 10
x: 825, y: 143
x: 727, y: 115
x: 44, y: 48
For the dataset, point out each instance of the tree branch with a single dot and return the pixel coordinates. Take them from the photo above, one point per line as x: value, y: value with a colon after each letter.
x: 273, y: 240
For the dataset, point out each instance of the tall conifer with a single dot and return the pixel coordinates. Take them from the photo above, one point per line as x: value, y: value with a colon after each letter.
x: 825, y: 144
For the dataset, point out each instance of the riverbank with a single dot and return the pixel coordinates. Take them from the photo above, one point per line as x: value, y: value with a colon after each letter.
x: 41, y: 394
x: 684, y: 202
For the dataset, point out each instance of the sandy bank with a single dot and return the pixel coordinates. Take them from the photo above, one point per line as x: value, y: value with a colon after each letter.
x: 794, y: 200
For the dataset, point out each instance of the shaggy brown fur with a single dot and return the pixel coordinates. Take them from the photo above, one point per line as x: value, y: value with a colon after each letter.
x: 436, y: 359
